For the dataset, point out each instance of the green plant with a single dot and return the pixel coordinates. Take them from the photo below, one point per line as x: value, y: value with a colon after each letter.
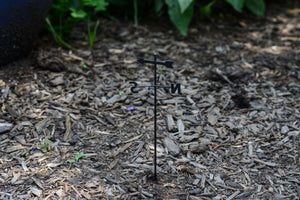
x: 206, y: 10
x: 132, y: 8
x: 64, y: 14
x: 83, y: 64
x: 77, y: 157
x: 257, y: 7
x: 180, y: 13
x: 92, y: 34
x: 161, y: 70
x: 57, y: 37
x: 121, y: 93
x: 45, y: 145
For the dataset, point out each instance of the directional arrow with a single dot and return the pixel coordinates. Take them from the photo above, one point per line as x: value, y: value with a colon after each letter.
x: 168, y: 64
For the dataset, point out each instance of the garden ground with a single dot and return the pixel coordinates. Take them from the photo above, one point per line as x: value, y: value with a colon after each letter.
x: 233, y: 133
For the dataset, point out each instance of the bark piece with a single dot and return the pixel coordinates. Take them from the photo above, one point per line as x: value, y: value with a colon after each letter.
x: 170, y: 123
x: 171, y: 146
x: 4, y: 127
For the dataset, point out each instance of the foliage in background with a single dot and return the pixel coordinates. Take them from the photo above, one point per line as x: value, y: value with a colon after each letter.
x: 64, y: 14
x: 257, y: 7
x: 181, y: 11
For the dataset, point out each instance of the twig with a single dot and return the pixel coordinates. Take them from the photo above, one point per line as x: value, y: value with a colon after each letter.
x: 72, y: 186
x: 68, y: 128
x: 8, y: 194
x: 233, y: 195
x: 195, y: 108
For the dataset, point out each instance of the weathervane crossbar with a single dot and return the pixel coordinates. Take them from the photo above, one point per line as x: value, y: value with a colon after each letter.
x: 168, y: 63
x: 173, y: 87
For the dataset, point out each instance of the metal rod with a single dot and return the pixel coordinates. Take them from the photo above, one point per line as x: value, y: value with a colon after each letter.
x: 173, y: 87
x: 155, y: 101
x: 149, y: 86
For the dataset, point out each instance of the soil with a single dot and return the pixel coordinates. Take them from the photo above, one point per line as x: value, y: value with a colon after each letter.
x: 232, y: 133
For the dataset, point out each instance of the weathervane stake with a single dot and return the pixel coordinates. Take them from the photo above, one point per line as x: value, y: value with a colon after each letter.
x: 168, y: 64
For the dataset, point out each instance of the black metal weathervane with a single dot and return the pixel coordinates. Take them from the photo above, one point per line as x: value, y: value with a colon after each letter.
x: 174, y: 87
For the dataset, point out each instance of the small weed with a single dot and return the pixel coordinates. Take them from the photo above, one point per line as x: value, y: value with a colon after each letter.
x: 77, y: 157
x: 64, y: 14
x: 30, y: 151
x: 57, y: 37
x: 45, y: 145
x: 92, y: 34
x: 161, y: 70
x: 121, y: 93
x: 83, y: 65
x: 135, y: 5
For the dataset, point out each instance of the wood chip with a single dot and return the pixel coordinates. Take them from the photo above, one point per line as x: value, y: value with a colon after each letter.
x: 15, y: 178
x: 170, y: 123
x: 233, y: 195
x: 171, y: 146
x: 37, y: 192
x: 270, y: 164
x: 4, y: 127
x: 212, y: 119
x: 180, y: 126
x: 14, y: 148
x: 68, y: 128
x: 121, y: 149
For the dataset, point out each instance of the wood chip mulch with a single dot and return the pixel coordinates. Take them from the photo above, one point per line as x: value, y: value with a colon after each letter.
x: 233, y: 133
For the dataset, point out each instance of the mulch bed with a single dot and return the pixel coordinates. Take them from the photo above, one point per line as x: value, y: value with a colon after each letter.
x: 233, y: 133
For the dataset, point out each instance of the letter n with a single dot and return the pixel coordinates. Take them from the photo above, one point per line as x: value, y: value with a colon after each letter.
x: 175, y: 87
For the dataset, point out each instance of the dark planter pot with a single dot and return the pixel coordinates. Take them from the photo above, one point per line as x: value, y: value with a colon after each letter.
x: 20, y: 22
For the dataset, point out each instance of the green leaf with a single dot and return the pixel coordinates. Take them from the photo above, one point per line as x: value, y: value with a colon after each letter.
x: 92, y: 34
x: 237, y: 4
x: 158, y: 4
x: 180, y: 20
x: 79, y: 155
x: 80, y: 14
x: 135, y: 8
x: 56, y: 36
x: 71, y: 161
x: 121, y: 93
x: 257, y: 7
x: 100, y: 5
x: 44, y: 150
x: 46, y: 141
x: 206, y: 10
x: 83, y: 65
x: 161, y: 70
x: 184, y: 4
x: 120, y: 2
